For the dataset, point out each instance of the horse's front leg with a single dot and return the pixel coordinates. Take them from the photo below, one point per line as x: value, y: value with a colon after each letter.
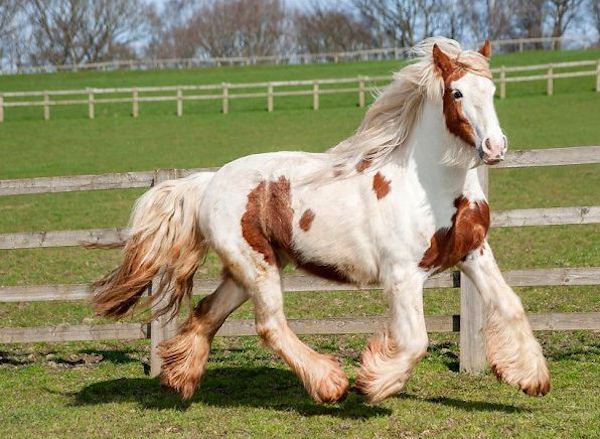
x: 390, y: 357
x: 512, y: 351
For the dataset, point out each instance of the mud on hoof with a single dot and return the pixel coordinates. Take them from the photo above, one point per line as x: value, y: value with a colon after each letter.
x: 183, y: 362
x: 333, y: 384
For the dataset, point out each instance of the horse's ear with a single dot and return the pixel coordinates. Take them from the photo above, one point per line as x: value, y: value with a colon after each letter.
x: 442, y: 61
x: 486, y: 49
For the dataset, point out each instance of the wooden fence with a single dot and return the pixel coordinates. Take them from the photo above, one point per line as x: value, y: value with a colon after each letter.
x: 468, y: 322
x: 507, y: 45
x: 225, y: 92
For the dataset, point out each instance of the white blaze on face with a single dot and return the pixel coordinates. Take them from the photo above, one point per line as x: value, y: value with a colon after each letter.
x: 477, y: 104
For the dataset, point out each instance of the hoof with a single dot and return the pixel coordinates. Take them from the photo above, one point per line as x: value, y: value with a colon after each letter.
x: 183, y: 363
x: 333, y: 386
x: 532, y: 386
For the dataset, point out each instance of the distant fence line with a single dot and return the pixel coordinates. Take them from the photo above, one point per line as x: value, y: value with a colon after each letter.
x: 223, y: 92
x: 516, y: 44
x: 468, y: 323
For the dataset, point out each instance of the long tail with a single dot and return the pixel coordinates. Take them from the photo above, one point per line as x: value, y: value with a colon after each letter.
x: 165, y: 241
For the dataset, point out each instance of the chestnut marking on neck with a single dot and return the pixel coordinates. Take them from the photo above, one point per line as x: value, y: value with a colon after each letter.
x: 363, y: 165
x: 381, y: 185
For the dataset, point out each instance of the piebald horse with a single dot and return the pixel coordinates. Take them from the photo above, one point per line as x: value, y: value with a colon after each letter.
x: 396, y: 202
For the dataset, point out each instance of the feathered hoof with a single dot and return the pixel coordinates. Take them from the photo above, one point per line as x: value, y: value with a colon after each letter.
x: 376, y: 388
x: 532, y: 384
x: 183, y: 362
x: 333, y: 386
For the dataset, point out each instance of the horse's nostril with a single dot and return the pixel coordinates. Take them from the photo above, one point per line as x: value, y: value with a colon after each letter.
x: 487, y: 143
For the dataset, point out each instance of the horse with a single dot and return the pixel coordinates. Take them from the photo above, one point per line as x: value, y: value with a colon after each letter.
x: 396, y: 202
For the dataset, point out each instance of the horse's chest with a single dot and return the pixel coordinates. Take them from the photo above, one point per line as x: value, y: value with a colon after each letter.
x: 450, y: 245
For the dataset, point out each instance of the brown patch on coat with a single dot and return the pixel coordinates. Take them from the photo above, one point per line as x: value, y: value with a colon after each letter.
x: 306, y: 220
x: 449, y: 246
x: 267, y: 222
x: 267, y: 228
x: 363, y: 165
x: 381, y: 185
x: 456, y: 121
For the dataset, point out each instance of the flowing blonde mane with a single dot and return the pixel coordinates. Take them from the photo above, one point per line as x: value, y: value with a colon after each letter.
x: 388, y: 122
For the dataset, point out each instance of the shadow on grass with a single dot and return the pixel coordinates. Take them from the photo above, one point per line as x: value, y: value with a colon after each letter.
x: 259, y: 387
x: 116, y: 356
x: 446, y: 353
x: 10, y: 359
x: 466, y: 405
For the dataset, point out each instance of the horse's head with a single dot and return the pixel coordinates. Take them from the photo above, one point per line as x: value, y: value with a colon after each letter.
x: 468, y: 103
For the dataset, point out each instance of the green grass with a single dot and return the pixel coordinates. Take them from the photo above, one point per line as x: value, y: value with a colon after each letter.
x: 99, y: 389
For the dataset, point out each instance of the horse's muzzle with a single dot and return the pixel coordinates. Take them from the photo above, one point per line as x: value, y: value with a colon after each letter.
x: 492, y: 150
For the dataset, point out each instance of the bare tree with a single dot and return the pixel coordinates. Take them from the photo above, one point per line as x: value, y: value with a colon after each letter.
x: 171, y: 35
x: 331, y: 29
x: 392, y: 21
x: 8, y: 13
x: 594, y: 7
x: 402, y: 22
x: 563, y: 13
x: 240, y: 27
x: 10, y: 43
x: 220, y: 28
x: 76, y: 31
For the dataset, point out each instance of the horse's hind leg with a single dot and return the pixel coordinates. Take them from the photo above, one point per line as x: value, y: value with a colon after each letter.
x: 512, y: 350
x: 184, y: 356
x: 321, y: 375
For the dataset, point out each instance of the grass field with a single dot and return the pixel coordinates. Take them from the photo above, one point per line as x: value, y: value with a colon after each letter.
x: 100, y: 389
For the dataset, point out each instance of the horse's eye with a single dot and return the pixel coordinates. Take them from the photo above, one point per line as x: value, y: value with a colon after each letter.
x: 456, y: 94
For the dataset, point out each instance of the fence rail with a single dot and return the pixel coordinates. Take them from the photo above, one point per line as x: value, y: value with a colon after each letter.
x: 225, y: 92
x: 518, y: 44
x: 469, y: 325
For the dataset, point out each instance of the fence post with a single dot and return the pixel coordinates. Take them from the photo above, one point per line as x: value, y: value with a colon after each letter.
x: 598, y: 76
x: 135, y: 104
x: 472, y: 344
x: 270, y: 98
x: 520, y: 45
x: 315, y: 95
x: 225, y: 106
x: 91, y: 112
x: 550, y: 83
x: 502, y: 82
x: 160, y: 328
x: 179, y: 101
x: 1, y: 108
x: 361, y: 92
x: 46, y: 106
